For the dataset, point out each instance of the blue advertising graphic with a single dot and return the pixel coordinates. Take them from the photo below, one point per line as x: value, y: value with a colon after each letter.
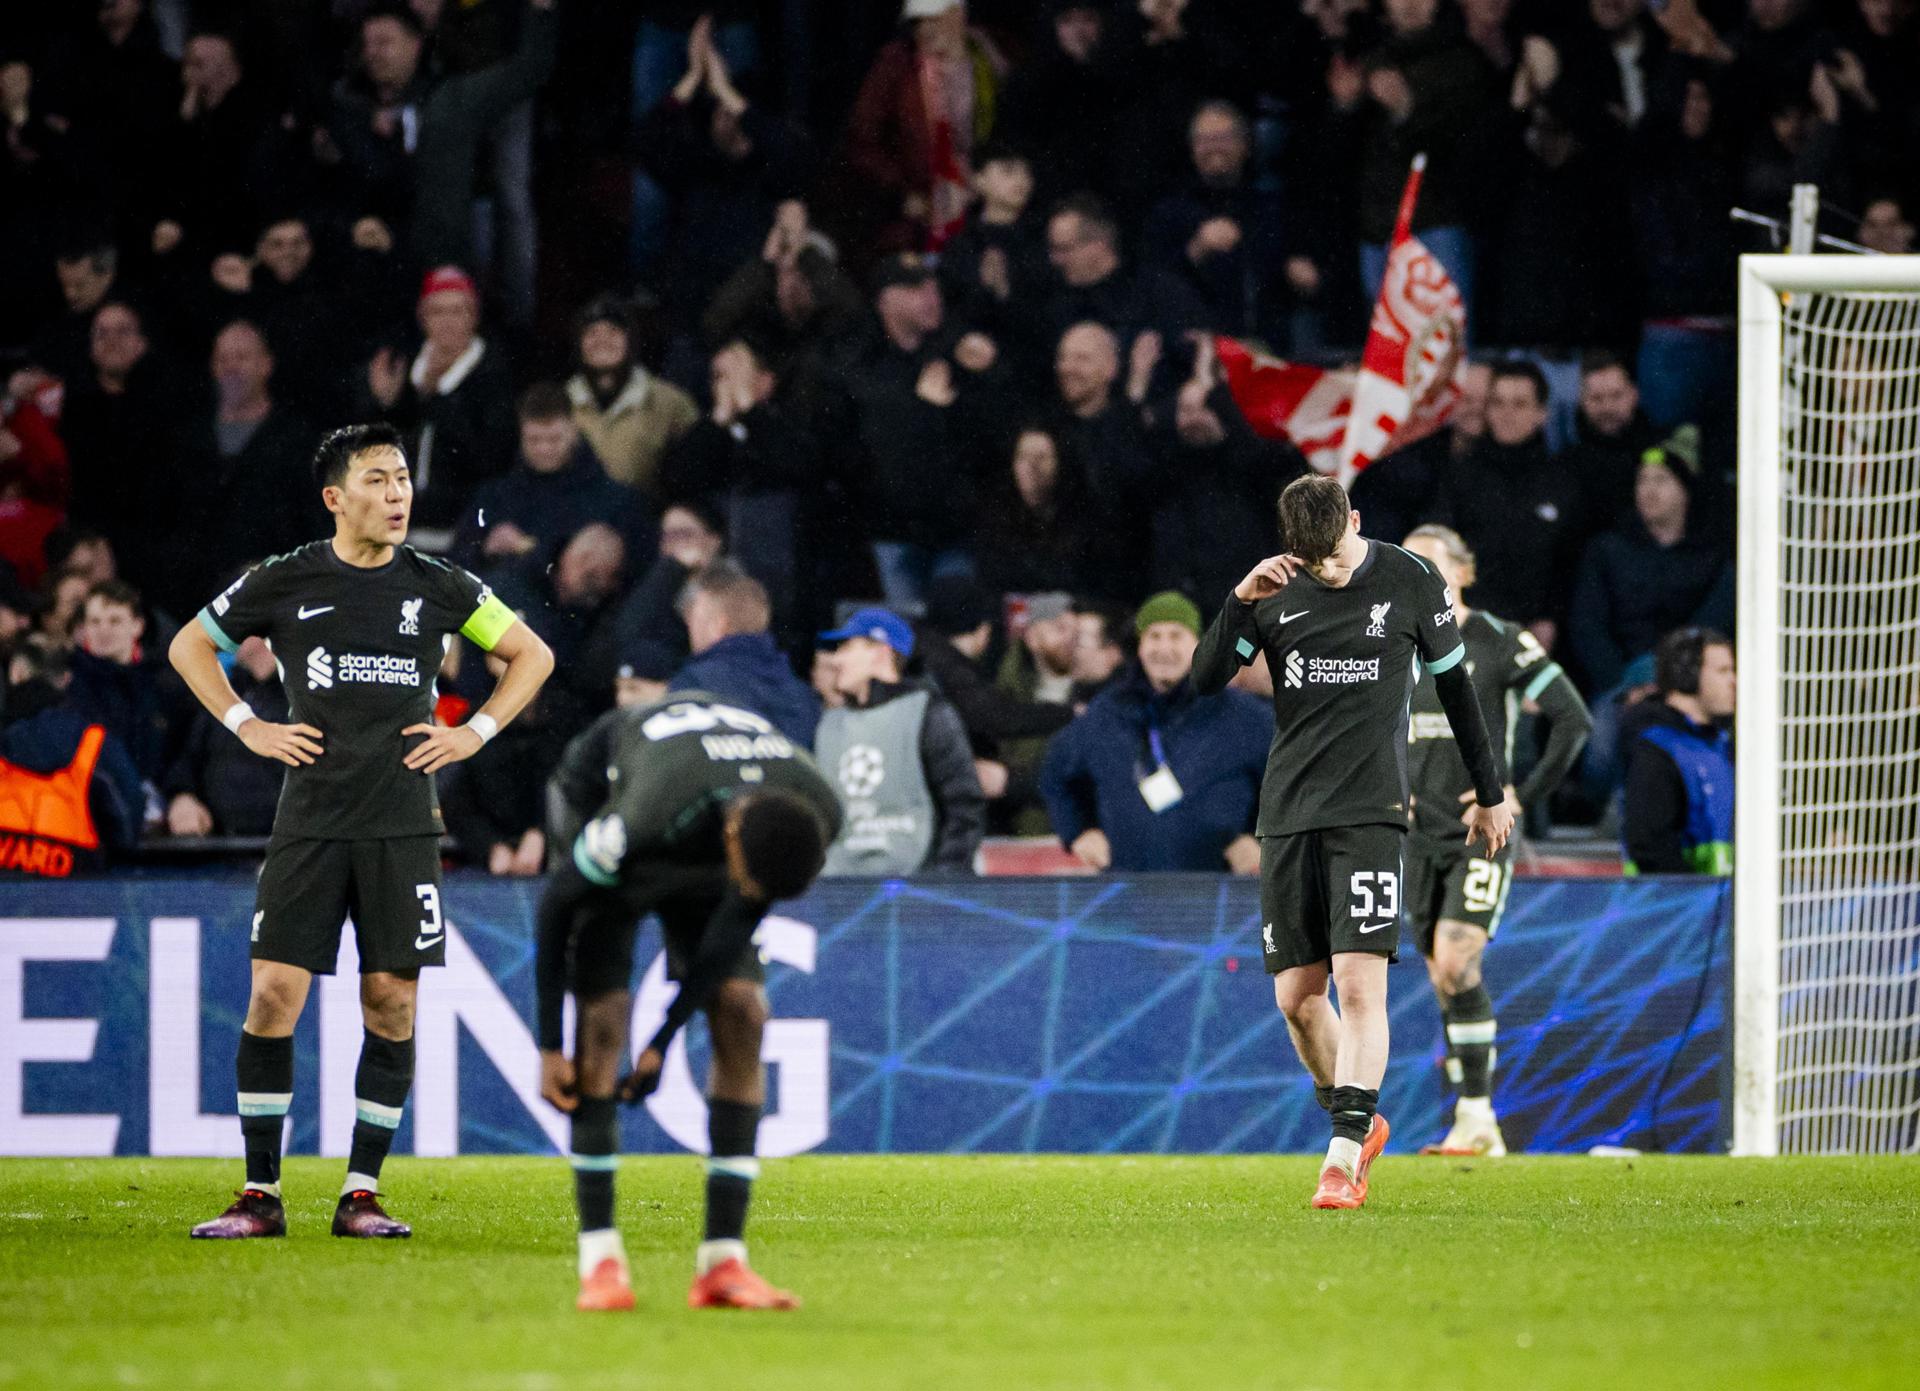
x: 1104, y: 1015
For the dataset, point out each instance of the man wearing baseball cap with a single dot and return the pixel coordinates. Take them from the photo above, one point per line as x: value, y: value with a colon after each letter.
x: 897, y: 755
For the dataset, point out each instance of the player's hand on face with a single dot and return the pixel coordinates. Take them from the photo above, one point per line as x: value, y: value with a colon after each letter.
x: 1490, y: 825
x: 557, y: 1080
x: 639, y: 1084
x: 1092, y: 849
x: 1267, y: 578
x: 292, y: 744
x: 444, y: 745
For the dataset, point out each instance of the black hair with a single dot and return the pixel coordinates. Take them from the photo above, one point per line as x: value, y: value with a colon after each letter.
x: 338, y: 447
x: 1525, y: 370
x: 1116, y: 624
x: 1095, y: 217
x: 1678, y: 657
x: 545, y: 401
x: 394, y: 10
x: 782, y: 842
x: 1601, y: 360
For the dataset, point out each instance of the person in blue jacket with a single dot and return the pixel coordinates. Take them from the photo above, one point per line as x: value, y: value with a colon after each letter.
x: 734, y: 657
x: 1154, y: 776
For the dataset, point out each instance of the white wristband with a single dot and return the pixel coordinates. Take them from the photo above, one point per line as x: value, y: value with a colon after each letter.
x: 237, y: 714
x: 485, y: 726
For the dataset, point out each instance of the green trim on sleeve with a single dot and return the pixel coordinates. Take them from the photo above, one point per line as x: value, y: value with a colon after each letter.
x: 1543, y: 679
x: 488, y: 624
x: 584, y: 862
x: 214, y: 631
x: 1447, y: 663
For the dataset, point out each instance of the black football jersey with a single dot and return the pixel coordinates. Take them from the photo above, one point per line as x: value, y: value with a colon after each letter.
x: 655, y: 781
x: 1508, y: 666
x: 358, y: 650
x: 1343, y: 662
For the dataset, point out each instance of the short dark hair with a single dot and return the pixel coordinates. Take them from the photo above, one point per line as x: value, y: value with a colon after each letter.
x: 117, y: 592
x: 398, y: 12
x: 99, y: 252
x: 1314, y: 511
x: 338, y: 447
x: 545, y: 401
x: 1522, y: 369
x: 1678, y: 657
x: 1094, y: 214
x: 1600, y: 360
x: 782, y: 841
x: 1116, y: 624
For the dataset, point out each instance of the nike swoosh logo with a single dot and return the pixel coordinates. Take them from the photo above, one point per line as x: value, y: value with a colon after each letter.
x: 315, y: 613
x: 1377, y: 927
x: 1287, y: 618
x: 422, y: 943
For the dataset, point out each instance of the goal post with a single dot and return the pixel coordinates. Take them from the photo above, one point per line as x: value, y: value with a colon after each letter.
x: 1826, y: 1019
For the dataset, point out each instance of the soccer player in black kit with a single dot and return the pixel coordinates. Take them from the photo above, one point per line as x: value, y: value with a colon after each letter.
x: 1343, y: 621
x: 358, y: 625
x: 1454, y: 896
x: 702, y: 812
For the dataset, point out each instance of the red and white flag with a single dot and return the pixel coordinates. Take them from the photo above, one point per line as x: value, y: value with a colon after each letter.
x: 1410, y: 376
x: 1415, y: 363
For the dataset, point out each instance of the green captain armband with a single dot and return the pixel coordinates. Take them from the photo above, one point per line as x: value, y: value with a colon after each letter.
x: 488, y: 624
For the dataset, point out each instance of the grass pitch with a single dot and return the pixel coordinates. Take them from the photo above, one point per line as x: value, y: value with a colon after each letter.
x: 1006, y: 1273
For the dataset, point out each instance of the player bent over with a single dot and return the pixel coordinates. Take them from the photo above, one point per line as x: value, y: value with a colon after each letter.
x: 358, y: 625
x: 1455, y: 897
x: 706, y: 815
x: 1342, y: 621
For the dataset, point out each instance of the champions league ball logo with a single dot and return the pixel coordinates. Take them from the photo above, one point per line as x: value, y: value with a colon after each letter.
x: 862, y: 769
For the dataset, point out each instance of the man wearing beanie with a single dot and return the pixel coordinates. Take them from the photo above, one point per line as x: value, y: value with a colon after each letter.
x: 1155, y: 776
x: 1037, y: 668
x: 954, y: 639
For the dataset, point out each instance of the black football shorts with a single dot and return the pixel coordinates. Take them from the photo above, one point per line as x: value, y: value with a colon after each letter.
x: 1330, y: 891
x: 1447, y: 880
x: 389, y: 888
x: 609, y: 928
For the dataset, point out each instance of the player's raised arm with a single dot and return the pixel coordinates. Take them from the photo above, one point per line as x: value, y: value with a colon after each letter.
x: 196, y: 656
x: 1232, y: 641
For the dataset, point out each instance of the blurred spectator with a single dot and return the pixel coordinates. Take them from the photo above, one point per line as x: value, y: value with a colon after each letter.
x: 898, y: 756
x: 1515, y: 507
x: 1886, y: 228
x: 644, y: 671
x: 1396, y: 493
x: 630, y: 416
x: 727, y: 613
x: 995, y: 266
x: 1170, y: 54
x: 915, y: 417
x: 1093, y: 285
x: 1154, y: 777
x: 257, y: 497
x: 713, y: 167
x: 455, y: 400
x: 33, y: 478
x: 1422, y: 90
x: 114, y: 685
x: 575, y: 605
x: 1612, y: 433
x: 1222, y: 233
x: 88, y: 271
x: 1650, y: 574
x: 1037, y: 669
x: 46, y: 734
x: 955, y: 640
x: 1101, y: 430
x: 210, y: 156
x: 495, y: 802
x: 927, y: 102
x: 410, y: 137
x: 1103, y: 635
x: 792, y: 299
x: 753, y: 463
x: 1216, y: 514
x: 66, y: 598
x: 1033, y: 533
x: 691, y: 539
x: 110, y: 78
x: 122, y: 422
x: 308, y: 329
x: 1061, y: 102
x: 215, y: 785
x: 527, y: 517
x: 1678, y: 808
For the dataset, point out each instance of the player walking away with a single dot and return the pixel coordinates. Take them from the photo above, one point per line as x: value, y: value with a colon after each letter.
x: 359, y: 625
x: 703, y: 813
x: 1342, y: 621
x: 1455, y: 897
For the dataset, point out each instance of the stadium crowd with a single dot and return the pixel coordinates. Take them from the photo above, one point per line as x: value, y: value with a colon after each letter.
x: 865, y: 366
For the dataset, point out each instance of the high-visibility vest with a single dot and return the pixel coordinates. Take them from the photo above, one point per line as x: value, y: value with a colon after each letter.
x: 46, y: 824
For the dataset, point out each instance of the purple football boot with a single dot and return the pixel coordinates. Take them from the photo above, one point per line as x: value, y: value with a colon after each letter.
x: 253, y: 1214
x: 360, y: 1215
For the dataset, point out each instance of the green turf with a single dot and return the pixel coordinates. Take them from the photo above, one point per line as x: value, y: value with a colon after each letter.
x: 1005, y: 1273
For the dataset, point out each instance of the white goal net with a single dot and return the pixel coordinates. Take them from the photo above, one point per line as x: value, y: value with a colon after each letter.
x: 1827, y: 840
